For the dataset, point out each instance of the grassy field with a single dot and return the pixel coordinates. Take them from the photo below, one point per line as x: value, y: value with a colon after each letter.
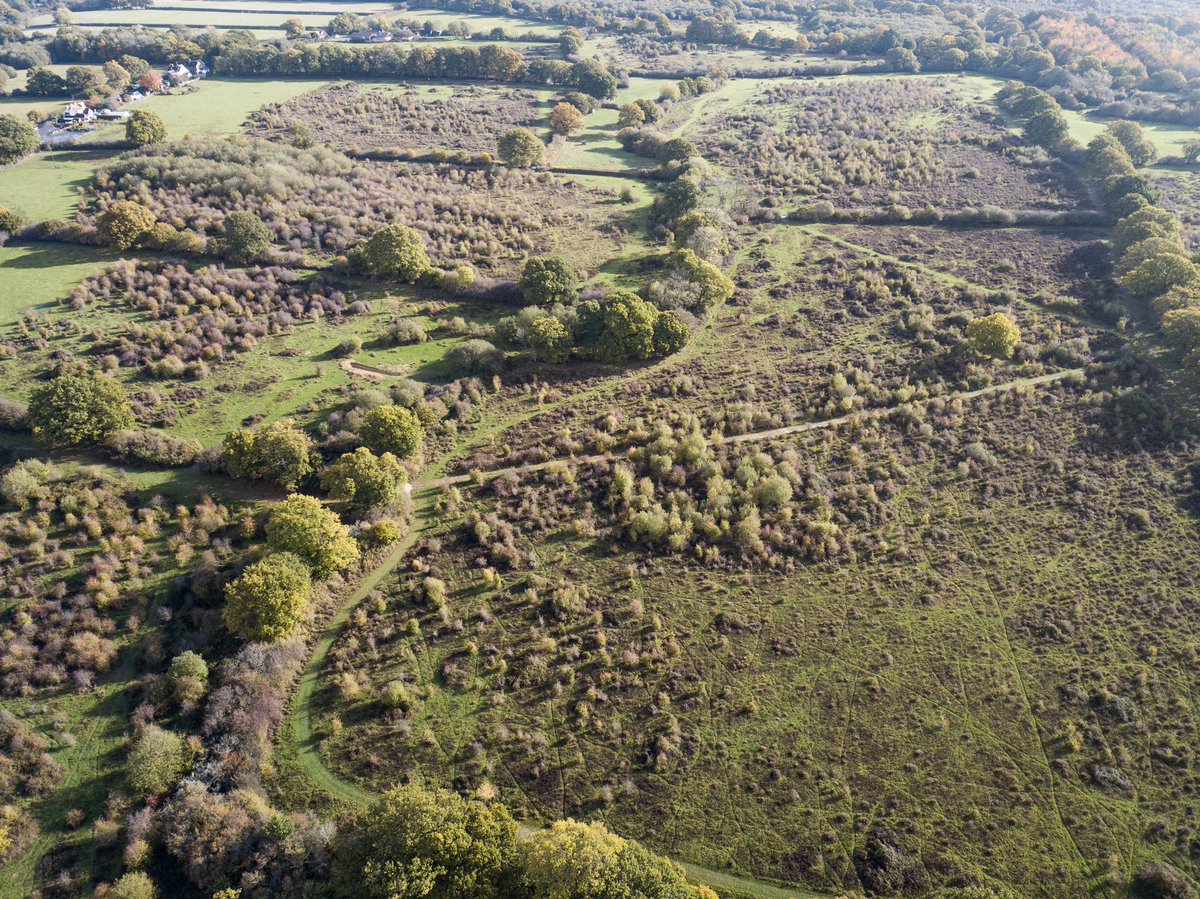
x: 48, y: 185
x: 219, y: 106
x: 284, y: 8
x: 192, y: 18
x: 38, y: 275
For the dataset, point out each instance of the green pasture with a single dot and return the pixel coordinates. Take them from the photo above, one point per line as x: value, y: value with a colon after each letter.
x: 47, y: 185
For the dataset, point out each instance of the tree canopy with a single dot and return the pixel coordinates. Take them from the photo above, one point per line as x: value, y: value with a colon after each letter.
x: 78, y: 406
x: 267, y: 601
x: 548, y: 280
x: 17, y: 138
x: 392, y: 429
x: 365, y: 480
x: 124, y: 224
x: 994, y: 335
x: 520, y: 147
x: 145, y: 127
x: 565, y: 119
x: 395, y: 251
x: 413, y: 843
x: 156, y: 761
x: 280, y: 453
x: 303, y: 526
x: 244, y: 237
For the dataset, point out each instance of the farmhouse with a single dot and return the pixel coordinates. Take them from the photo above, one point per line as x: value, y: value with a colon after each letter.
x: 181, y: 73
x: 76, y: 113
x: 371, y: 37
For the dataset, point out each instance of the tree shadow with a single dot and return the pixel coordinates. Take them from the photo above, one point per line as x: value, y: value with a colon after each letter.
x: 48, y: 255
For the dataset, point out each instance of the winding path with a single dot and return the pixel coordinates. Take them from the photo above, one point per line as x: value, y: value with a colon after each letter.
x: 299, y: 730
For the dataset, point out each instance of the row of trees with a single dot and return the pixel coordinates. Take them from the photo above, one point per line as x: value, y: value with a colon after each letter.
x: 1153, y: 262
x: 486, y: 63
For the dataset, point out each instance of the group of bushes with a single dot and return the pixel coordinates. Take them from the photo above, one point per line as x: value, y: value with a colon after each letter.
x: 73, y: 566
x: 345, y: 116
x: 191, y: 191
x: 199, y: 317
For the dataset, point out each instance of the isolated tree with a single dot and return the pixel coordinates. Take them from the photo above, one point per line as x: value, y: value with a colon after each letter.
x: 11, y: 221
x: 418, y: 844
x: 549, y: 340
x: 1047, y: 129
x: 565, y: 119
x: 1161, y: 274
x: 1191, y: 152
x: 78, y: 406
x: 156, y: 761
x: 1131, y: 136
x: 395, y: 251
x: 365, y: 480
x: 293, y: 28
x: 244, y: 237
x: 303, y: 526
x: 280, y: 453
x: 631, y: 116
x: 17, y: 138
x: 520, y: 147
x: 145, y: 127
x: 548, y: 280
x: 134, y: 885
x: 267, y: 601
x: 150, y: 82
x: 994, y: 335
x: 123, y: 224
x: 670, y: 334
x: 392, y: 429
